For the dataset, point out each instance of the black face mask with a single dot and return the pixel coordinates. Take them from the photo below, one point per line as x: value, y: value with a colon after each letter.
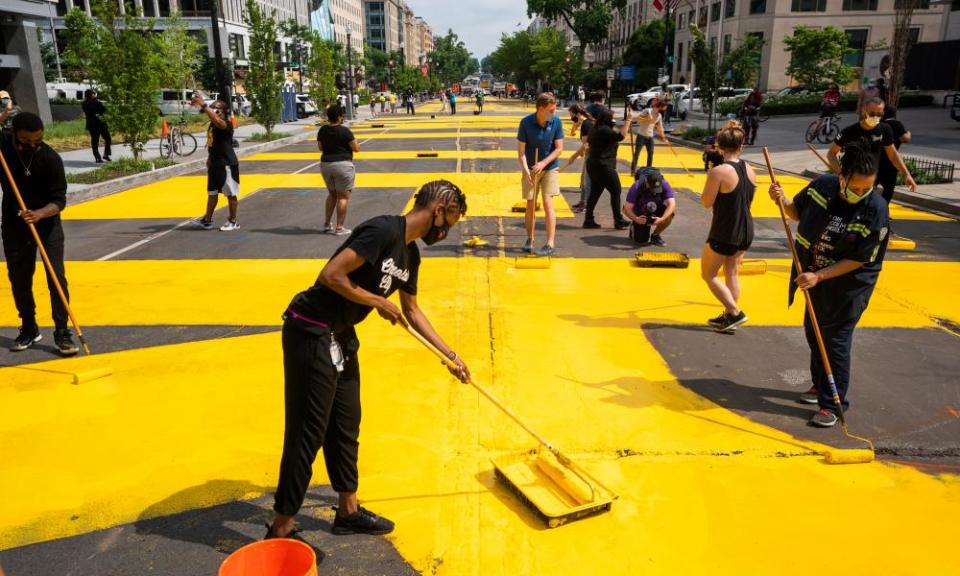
x: 436, y: 233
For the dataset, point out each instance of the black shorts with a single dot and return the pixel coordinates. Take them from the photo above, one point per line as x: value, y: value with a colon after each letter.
x: 217, y: 180
x: 727, y: 249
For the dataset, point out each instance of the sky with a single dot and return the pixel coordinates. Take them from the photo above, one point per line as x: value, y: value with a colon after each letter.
x: 479, y: 23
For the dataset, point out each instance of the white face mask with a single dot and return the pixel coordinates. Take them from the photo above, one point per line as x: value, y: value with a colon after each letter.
x: 871, y: 121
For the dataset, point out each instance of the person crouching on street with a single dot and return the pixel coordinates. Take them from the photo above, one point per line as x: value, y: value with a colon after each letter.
x: 650, y: 203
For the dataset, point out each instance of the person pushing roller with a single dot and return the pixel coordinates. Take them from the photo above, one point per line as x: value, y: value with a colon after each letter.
x: 841, y: 241
x: 320, y: 364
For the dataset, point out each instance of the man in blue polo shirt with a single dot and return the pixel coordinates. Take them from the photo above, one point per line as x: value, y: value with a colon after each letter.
x: 539, y: 145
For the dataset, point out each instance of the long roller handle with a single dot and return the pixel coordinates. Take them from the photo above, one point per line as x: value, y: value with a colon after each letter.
x: 806, y: 296
x: 45, y: 257
x: 820, y: 157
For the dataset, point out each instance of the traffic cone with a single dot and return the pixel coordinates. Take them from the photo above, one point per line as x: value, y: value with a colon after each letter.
x: 164, y: 131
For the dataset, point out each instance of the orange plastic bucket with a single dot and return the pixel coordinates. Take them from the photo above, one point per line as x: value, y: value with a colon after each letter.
x: 275, y: 557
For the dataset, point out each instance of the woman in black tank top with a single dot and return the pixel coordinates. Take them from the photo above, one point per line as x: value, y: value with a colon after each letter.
x: 729, y: 191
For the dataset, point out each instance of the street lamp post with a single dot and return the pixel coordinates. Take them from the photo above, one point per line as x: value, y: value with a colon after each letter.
x: 218, y: 55
x: 390, y: 66
x: 350, y: 85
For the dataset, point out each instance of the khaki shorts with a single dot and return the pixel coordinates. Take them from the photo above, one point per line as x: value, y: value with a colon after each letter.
x: 548, y: 182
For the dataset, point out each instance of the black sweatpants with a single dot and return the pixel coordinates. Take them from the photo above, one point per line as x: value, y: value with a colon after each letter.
x: 322, y: 410
x: 888, y: 183
x: 95, y: 135
x: 604, y: 178
x: 838, y: 312
x: 20, y: 251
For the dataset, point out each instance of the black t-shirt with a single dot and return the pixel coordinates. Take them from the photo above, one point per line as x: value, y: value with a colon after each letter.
x: 879, y: 137
x: 220, y: 145
x: 46, y: 183
x: 336, y: 143
x: 604, y: 143
x: 93, y: 109
x: 388, y: 264
x: 585, y: 127
x: 898, y: 129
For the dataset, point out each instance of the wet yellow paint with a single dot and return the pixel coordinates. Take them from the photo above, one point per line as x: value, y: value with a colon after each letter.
x: 192, y: 425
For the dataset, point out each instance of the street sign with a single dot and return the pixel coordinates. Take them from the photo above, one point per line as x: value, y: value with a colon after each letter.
x: 628, y: 73
x: 611, y: 74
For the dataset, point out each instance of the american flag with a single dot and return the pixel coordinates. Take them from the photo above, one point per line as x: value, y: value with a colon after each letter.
x: 669, y: 4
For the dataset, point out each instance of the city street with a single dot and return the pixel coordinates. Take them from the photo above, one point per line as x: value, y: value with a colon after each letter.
x: 169, y: 464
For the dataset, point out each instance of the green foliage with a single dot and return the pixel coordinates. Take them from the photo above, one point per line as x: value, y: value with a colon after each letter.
x: 128, y: 69
x: 82, y: 38
x: 207, y: 72
x: 321, y: 72
x: 744, y: 61
x: 708, y: 74
x: 48, y: 56
x: 523, y: 58
x: 180, y: 54
x: 810, y: 103
x: 264, y: 80
x: 590, y: 21
x: 923, y: 175
x: 265, y: 137
x: 695, y: 134
x: 409, y: 77
x: 816, y: 57
x: 451, y: 59
x: 118, y: 169
x: 511, y: 59
x: 549, y: 50
x: 646, y: 45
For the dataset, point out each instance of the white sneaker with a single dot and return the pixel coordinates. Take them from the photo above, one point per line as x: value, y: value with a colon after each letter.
x: 341, y: 231
x: 328, y: 229
x: 229, y: 226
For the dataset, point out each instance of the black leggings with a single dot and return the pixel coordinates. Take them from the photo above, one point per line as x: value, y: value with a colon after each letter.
x: 322, y: 409
x: 95, y: 135
x: 20, y: 251
x: 604, y: 178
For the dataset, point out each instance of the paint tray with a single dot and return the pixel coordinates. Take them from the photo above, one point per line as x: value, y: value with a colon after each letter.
x: 898, y: 242
x: 542, y: 494
x: 662, y: 259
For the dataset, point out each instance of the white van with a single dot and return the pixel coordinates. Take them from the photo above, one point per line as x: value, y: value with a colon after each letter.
x: 71, y: 90
x: 176, y: 102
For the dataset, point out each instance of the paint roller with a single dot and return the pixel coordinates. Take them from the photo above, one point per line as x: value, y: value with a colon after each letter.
x: 572, y: 485
x: 831, y: 455
x: 670, y: 146
x: 90, y: 375
x: 427, y: 154
x: 532, y: 262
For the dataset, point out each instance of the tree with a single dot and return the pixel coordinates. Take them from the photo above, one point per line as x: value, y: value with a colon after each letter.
x: 264, y: 80
x: 321, y: 72
x: 549, y: 51
x: 590, y: 21
x: 744, y: 61
x: 901, y: 46
x: 180, y: 54
x: 82, y: 36
x: 49, y: 57
x: 451, y: 58
x: 708, y: 77
x: 816, y: 57
x: 511, y: 60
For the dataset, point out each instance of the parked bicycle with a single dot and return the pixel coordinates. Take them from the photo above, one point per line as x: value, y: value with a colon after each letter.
x: 178, y: 141
x: 824, y: 130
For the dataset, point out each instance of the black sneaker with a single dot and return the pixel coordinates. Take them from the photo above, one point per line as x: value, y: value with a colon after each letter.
x: 718, y: 321
x: 809, y: 397
x: 656, y: 240
x: 824, y: 419
x: 362, y: 521
x: 27, y: 338
x: 590, y: 224
x: 621, y: 225
x: 730, y: 322
x: 63, y: 339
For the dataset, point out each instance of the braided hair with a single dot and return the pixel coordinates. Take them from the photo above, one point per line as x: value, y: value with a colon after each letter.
x: 448, y: 193
x: 858, y: 158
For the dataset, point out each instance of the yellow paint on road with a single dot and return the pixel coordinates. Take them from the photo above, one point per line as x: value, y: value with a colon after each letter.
x: 192, y: 425
x: 149, y: 292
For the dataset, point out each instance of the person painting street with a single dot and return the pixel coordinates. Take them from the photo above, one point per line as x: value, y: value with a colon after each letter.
x: 878, y: 134
x: 539, y: 145
x: 220, y: 159
x: 584, y: 123
x: 94, y: 110
x: 647, y: 120
x: 841, y: 241
x: 650, y: 203
x: 729, y: 192
x: 337, y: 146
x: 320, y: 364
x: 604, y: 143
x: 40, y: 178
x: 479, y: 99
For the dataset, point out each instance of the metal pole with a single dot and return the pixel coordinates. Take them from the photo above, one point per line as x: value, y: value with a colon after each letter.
x: 693, y: 66
x: 298, y: 44
x: 56, y: 48
x: 218, y: 56
x: 713, y: 103
x: 350, y: 110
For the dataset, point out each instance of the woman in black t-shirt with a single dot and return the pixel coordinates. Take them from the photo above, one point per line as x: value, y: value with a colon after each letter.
x: 604, y: 142
x: 337, y: 145
x: 220, y: 159
x: 320, y: 365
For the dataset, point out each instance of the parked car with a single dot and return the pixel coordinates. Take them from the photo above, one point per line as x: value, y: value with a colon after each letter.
x: 789, y: 91
x: 69, y: 90
x: 645, y: 97
x: 955, y: 110
x: 176, y: 102
x: 241, y: 103
x: 305, y: 106
x: 690, y: 100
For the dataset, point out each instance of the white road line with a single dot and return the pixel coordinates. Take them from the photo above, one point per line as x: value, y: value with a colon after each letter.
x: 459, y: 158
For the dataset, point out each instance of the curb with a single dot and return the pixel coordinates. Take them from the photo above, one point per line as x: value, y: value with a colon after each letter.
x: 125, y: 183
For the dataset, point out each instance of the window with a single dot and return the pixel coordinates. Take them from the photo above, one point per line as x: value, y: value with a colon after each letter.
x: 726, y: 44
x: 758, y: 6
x: 715, y: 12
x: 918, y: 4
x: 164, y: 7
x: 690, y: 15
x: 236, y: 46
x: 680, y: 21
x: 730, y: 9
x: 689, y: 58
x: 851, y: 5
x: 914, y: 35
x: 188, y: 8
x: 808, y: 5
x: 857, y: 40
x: 702, y: 20
x: 680, y: 57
